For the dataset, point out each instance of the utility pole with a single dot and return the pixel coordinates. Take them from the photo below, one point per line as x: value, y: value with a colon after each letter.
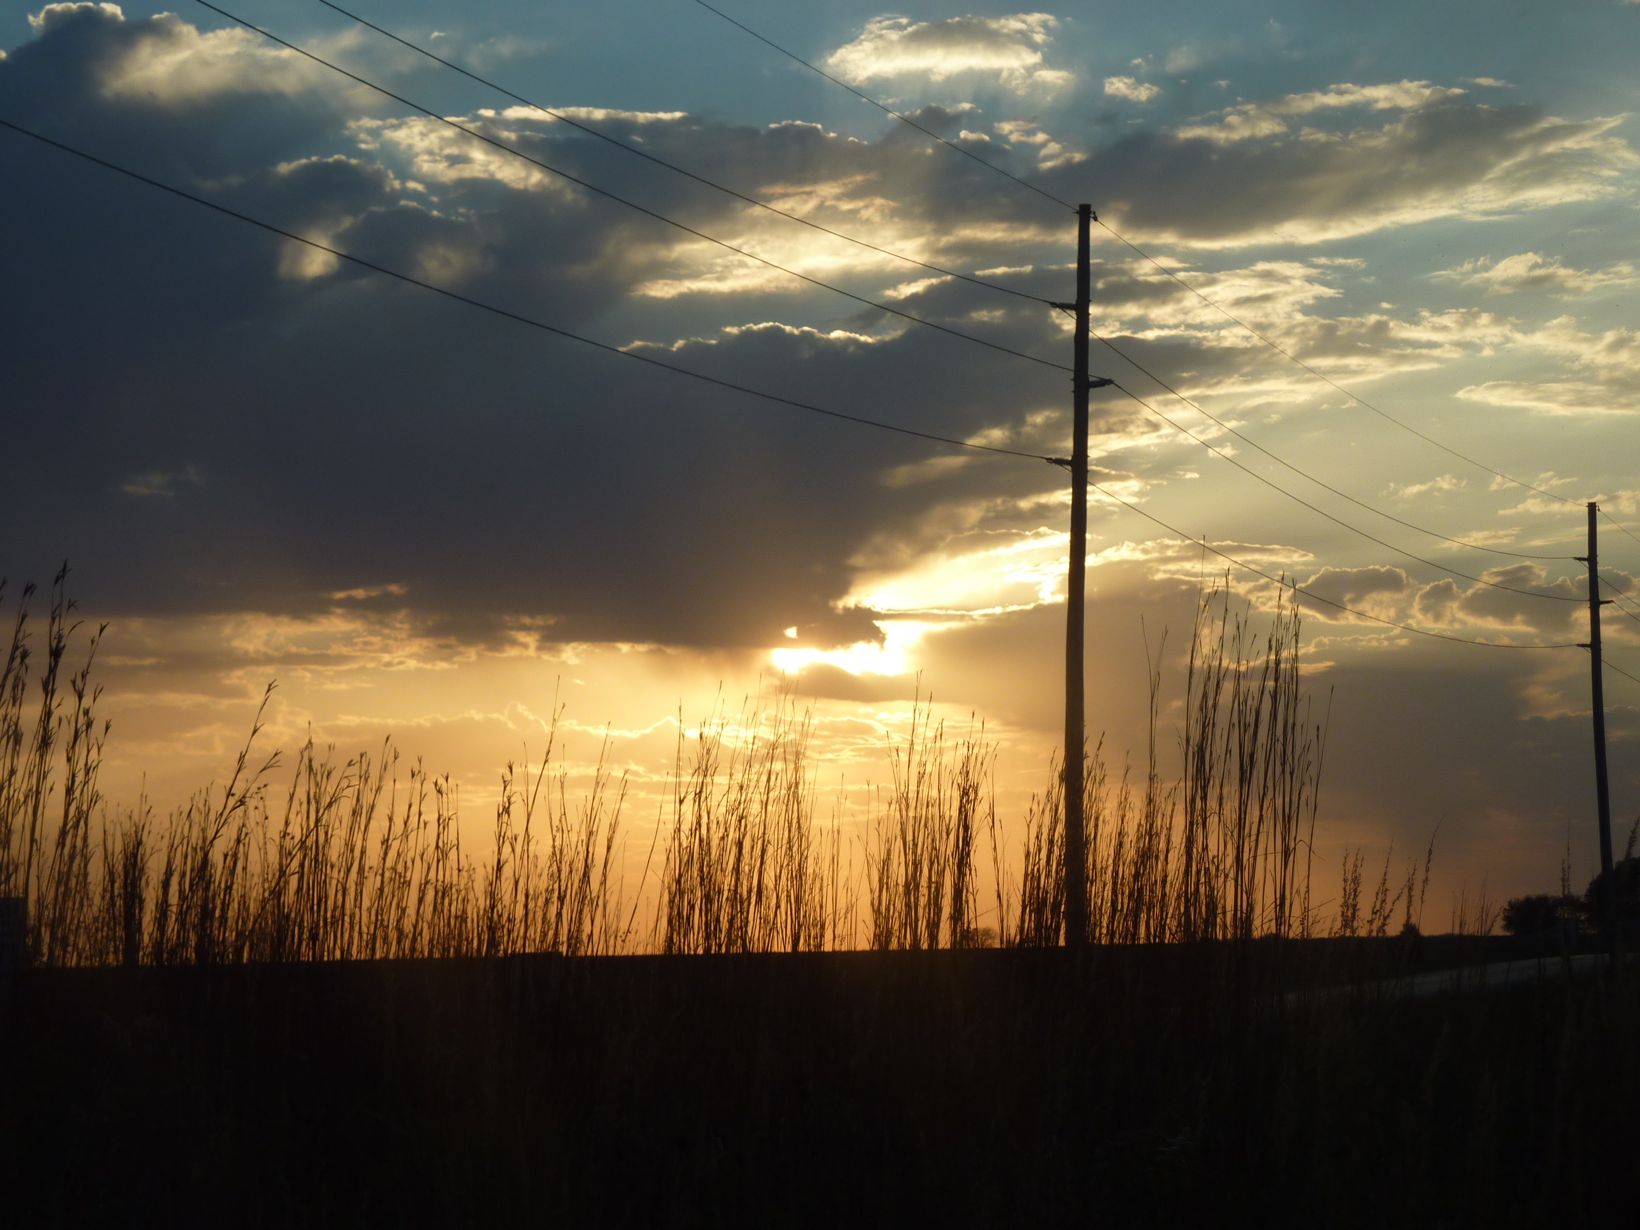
x: 1076, y: 868
x: 1597, y: 691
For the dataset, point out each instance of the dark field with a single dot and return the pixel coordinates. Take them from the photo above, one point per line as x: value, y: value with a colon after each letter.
x: 1126, y: 1087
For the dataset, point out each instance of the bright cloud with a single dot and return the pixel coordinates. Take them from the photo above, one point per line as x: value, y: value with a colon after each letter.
x: 1529, y: 271
x: 1560, y: 399
x: 1009, y: 49
x: 1131, y: 89
x: 1445, y: 484
x: 1246, y: 121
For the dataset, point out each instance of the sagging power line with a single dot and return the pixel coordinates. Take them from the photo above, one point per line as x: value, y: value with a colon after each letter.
x: 1618, y: 670
x: 507, y: 313
x: 1226, y: 313
x: 1319, y: 511
x: 950, y: 273
x: 1314, y: 597
x: 1621, y: 528
x: 1328, y: 380
x: 887, y: 110
x: 586, y: 184
x: 638, y: 151
x: 1305, y: 474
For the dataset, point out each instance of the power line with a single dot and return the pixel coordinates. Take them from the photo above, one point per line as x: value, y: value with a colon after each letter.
x: 1245, y: 439
x: 1623, y: 610
x: 1609, y: 665
x: 885, y: 109
x: 1314, y: 597
x: 640, y: 152
x: 633, y: 205
x: 713, y: 380
x: 1615, y: 592
x: 1618, y: 595
x: 517, y: 316
x: 1621, y: 604
x: 1298, y: 499
x: 1383, y: 414
x: 1620, y: 526
x: 967, y: 153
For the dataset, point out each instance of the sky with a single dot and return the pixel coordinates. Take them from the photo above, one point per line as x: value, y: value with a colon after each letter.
x: 428, y: 522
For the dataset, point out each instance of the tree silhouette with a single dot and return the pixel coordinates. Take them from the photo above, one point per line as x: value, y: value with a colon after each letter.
x: 1540, y: 913
x: 1626, y: 875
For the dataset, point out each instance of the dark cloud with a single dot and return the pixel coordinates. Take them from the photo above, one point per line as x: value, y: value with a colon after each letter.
x: 1453, y: 158
x: 339, y: 431
x: 1355, y: 586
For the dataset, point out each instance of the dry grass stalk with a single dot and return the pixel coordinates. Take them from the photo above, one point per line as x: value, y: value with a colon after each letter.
x: 365, y: 858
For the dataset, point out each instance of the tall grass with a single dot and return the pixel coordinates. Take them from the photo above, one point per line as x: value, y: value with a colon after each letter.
x: 744, y: 868
x: 354, y: 861
x: 921, y: 880
x: 1223, y: 852
x: 369, y: 857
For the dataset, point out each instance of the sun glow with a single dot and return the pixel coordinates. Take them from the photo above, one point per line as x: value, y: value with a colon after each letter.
x: 890, y: 656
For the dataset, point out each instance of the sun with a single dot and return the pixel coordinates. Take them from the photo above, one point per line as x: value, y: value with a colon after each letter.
x: 890, y: 656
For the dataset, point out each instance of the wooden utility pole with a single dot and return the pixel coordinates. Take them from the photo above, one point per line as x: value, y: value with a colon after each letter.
x: 1597, y: 692
x: 1076, y: 867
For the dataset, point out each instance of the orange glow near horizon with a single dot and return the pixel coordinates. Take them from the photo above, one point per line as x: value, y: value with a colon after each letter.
x: 889, y: 657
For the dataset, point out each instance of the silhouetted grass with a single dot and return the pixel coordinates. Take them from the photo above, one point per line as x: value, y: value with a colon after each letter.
x: 365, y: 857
x: 261, y: 1067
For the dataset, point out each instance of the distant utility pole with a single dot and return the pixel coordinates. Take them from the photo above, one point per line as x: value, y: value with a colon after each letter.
x: 1076, y: 866
x: 1608, y: 896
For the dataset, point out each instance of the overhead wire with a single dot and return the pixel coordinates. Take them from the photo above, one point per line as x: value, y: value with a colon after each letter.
x: 1623, y: 610
x: 944, y: 272
x: 1622, y: 603
x: 1256, y: 333
x: 775, y: 398
x: 616, y: 197
x: 517, y: 317
x: 639, y: 151
x: 1623, y: 529
x: 1319, y: 511
x: 1611, y: 666
x: 1328, y: 380
x: 1305, y: 474
x: 886, y: 109
x: 1618, y: 595
x: 1314, y: 597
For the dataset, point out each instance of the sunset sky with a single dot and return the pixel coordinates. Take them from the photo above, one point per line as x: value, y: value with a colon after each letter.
x: 429, y: 522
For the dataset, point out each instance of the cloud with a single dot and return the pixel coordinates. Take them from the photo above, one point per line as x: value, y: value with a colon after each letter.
x: 161, y: 483
x: 1557, y: 399
x: 1214, y: 187
x: 1050, y: 153
x: 1444, y: 484
x: 1357, y: 587
x: 165, y: 61
x: 1614, y: 353
x: 1130, y: 89
x: 1247, y: 121
x: 487, y: 470
x: 1609, y: 361
x: 1006, y: 49
x: 1529, y: 271
x: 1437, y: 603
x: 484, y: 467
x: 59, y: 14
